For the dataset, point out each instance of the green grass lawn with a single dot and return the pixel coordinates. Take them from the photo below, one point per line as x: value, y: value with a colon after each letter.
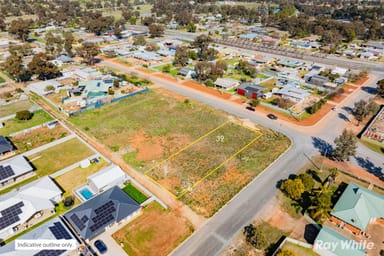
x: 272, y: 235
x: 14, y: 125
x: 2, y: 80
x: 373, y: 145
x: 10, y: 109
x: 298, y: 250
x: 134, y: 193
x: 60, y: 156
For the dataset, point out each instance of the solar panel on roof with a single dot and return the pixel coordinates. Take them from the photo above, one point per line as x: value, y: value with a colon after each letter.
x: 59, y: 231
x: 10, y: 215
x: 49, y: 253
x: 76, y: 220
x: 6, y: 172
x: 101, y: 221
x: 84, y: 219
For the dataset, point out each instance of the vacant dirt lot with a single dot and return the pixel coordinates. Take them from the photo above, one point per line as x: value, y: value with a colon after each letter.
x: 155, y: 232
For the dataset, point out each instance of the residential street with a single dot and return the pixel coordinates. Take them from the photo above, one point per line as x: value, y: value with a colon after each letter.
x: 218, y: 231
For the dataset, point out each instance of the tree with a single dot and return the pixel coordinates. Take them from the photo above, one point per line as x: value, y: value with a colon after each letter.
x: 345, y: 146
x: 69, y: 39
x: 14, y: 66
x: 181, y: 56
x: 380, y: 88
x: 139, y: 40
x: 20, y: 28
x: 202, y: 43
x: 156, y: 30
x: 20, y: 49
x: 53, y: 44
x: 191, y: 27
x: 307, y: 180
x: 285, y: 253
x: 116, y: 83
x: 255, y: 237
x: 24, y: 115
x: 359, y: 111
x: 254, y: 102
x: 88, y: 51
x: 41, y: 67
x: 321, y: 206
x: 293, y: 188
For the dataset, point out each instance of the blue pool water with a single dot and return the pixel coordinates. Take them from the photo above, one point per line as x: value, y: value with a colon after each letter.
x: 86, y: 193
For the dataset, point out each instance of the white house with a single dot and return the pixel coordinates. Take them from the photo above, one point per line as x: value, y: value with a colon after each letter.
x: 107, y: 178
x: 18, y: 207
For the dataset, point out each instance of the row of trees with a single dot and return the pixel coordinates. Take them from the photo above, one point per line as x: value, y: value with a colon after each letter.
x: 41, y: 64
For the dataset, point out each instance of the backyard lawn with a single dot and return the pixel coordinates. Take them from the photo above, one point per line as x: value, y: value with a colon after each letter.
x: 12, y: 108
x: 38, y: 137
x: 68, y: 183
x: 60, y: 156
x: 156, y: 232
x: 134, y: 193
x: 149, y: 128
x: 298, y: 250
x: 14, y: 125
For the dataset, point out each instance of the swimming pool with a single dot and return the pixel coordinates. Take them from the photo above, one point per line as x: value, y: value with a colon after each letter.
x: 86, y: 193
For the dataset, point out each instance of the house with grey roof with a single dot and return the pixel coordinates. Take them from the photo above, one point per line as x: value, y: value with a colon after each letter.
x: 316, y: 79
x: 293, y: 93
x: 40, y: 87
x: 187, y: 72
x: 226, y: 83
x: 101, y: 212
x: 19, y: 206
x: 357, y: 207
x: 331, y: 243
x: 12, y: 169
x: 54, y: 229
x: 250, y: 90
x: 5, y: 146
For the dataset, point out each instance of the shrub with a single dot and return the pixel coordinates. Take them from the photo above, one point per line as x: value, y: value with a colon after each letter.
x: 24, y: 115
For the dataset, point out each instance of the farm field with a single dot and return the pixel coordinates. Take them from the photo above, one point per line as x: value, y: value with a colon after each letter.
x: 12, y: 108
x: 147, y: 129
x: 14, y: 125
x: 38, y: 137
x: 60, y: 156
x: 155, y: 232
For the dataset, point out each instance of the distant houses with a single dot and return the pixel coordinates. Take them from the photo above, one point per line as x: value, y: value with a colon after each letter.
x: 250, y: 90
x: 226, y: 83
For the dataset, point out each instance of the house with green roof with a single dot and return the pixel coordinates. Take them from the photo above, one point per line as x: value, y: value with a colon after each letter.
x: 96, y: 88
x: 357, y: 207
x: 331, y: 243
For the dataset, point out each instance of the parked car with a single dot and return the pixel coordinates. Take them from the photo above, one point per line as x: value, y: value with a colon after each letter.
x: 101, y: 247
x: 250, y: 108
x: 272, y: 116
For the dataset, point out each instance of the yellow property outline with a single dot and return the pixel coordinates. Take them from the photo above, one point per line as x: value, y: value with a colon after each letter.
x: 209, y: 173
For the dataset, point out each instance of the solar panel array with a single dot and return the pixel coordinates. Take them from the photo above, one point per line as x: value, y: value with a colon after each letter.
x: 10, y: 215
x: 6, y: 172
x: 80, y: 225
x: 104, y: 214
x: 59, y: 231
x: 49, y: 253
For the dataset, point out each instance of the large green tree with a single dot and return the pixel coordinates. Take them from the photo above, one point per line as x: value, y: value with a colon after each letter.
x: 42, y: 67
x: 14, y: 66
x: 255, y: 237
x: 156, y: 30
x: 181, y: 56
x: 20, y: 28
x: 202, y: 43
x: 321, y: 206
x: 294, y: 188
x: 88, y: 51
x: 345, y: 146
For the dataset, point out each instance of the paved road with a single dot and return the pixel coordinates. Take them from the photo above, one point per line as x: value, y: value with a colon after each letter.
x: 216, y: 234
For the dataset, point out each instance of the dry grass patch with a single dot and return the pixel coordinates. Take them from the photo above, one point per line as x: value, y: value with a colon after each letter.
x: 10, y: 109
x: 155, y: 232
x: 38, y: 137
x: 60, y: 156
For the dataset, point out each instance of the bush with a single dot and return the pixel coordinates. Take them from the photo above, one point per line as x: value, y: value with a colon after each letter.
x: 209, y: 83
x: 111, y: 92
x: 254, y: 102
x: 69, y: 201
x: 315, y: 107
x: 24, y: 115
